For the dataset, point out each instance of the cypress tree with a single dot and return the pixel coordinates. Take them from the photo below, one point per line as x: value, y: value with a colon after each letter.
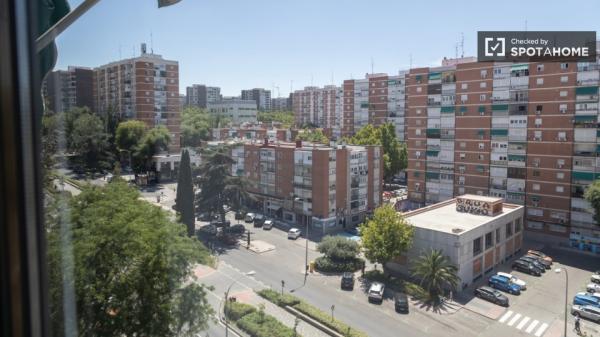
x: 184, y: 203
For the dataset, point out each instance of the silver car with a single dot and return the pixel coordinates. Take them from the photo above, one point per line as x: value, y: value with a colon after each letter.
x: 593, y: 288
x: 586, y: 311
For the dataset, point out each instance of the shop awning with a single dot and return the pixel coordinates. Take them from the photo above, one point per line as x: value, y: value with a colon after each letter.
x: 586, y: 118
x: 500, y: 107
x: 499, y: 132
x: 586, y: 90
x: 447, y: 109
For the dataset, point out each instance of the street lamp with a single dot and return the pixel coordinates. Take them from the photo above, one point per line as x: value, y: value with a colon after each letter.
x: 227, y: 300
x: 558, y: 270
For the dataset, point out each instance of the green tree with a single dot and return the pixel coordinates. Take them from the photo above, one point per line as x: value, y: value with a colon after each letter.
x: 128, y: 136
x: 386, y: 236
x: 217, y: 186
x: 338, y: 248
x: 51, y: 137
x: 90, y: 143
x: 592, y: 195
x: 154, y: 141
x: 286, y: 118
x: 119, y: 267
x: 195, y: 126
x: 436, y: 273
x: 184, y: 201
x: 313, y: 135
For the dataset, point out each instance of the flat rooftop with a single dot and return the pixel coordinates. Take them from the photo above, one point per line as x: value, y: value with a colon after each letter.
x: 444, y: 217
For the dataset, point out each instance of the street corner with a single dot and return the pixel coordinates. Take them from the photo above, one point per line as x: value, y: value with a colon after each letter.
x: 257, y: 246
x: 485, y: 309
x: 201, y: 271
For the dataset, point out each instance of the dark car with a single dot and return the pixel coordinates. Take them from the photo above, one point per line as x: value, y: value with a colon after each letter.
x: 526, y: 267
x: 236, y: 229
x: 259, y: 220
x: 535, y: 262
x: 491, y: 295
x: 347, y: 281
x: 240, y: 215
x: 401, y: 302
x: 219, y: 223
x: 547, y: 264
x: 209, y: 230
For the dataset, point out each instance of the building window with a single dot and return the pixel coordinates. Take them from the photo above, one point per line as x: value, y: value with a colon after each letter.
x: 536, y: 173
x: 484, y: 73
x: 482, y: 97
x: 497, y: 235
x: 464, y: 98
x: 540, y: 68
x: 518, y: 225
x: 417, y: 132
x: 564, y: 79
x: 476, y: 246
x: 560, y: 189
x: 489, y: 242
x: 564, y: 66
x: 483, y: 85
x: 464, y: 86
x: 481, y: 157
x: 462, y: 156
x: 509, y: 229
x: 535, y: 187
x: 463, y: 145
x: 481, y: 146
x: 539, y: 81
x: 560, y: 175
x: 563, y: 93
x: 562, y: 136
x: 419, y: 89
x: 560, y: 163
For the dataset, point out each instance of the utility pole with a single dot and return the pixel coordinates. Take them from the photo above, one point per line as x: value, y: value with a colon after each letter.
x: 282, y: 285
x: 306, y: 253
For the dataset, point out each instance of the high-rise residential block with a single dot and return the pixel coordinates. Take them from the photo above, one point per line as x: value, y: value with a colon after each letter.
x: 281, y: 104
x: 261, y: 96
x: 200, y: 95
x: 144, y: 88
x: 67, y: 89
x: 320, y: 107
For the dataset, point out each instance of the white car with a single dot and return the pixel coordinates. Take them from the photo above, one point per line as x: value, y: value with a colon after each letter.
x: 294, y: 233
x: 596, y: 278
x: 514, y: 280
x: 268, y: 224
x: 249, y: 217
x: 586, y: 311
x: 593, y: 287
x: 376, y: 292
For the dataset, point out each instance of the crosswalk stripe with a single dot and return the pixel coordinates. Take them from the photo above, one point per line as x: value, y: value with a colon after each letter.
x: 541, y: 330
x: 506, y: 316
x: 514, y: 319
x: 532, y: 326
x: 522, y: 323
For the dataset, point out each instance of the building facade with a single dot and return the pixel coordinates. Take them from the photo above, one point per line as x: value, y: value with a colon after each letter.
x: 321, y: 107
x: 281, y: 104
x: 200, y: 95
x: 261, y: 96
x: 237, y: 110
x: 67, y: 89
x: 144, y: 88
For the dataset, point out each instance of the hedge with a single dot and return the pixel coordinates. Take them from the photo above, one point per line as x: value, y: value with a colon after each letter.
x: 268, y: 327
x: 235, y: 310
x: 311, y: 311
x: 325, y: 264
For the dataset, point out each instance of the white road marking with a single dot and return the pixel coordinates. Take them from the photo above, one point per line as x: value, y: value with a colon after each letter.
x: 506, y: 316
x: 514, y: 319
x: 522, y: 323
x: 541, y: 330
x: 532, y: 326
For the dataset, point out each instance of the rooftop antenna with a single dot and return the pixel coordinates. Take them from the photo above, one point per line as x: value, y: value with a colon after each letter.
x: 133, y: 51
x: 456, y: 50
x: 151, y: 44
x: 462, y: 45
x: 525, y: 24
x: 410, y: 61
x: 372, y: 65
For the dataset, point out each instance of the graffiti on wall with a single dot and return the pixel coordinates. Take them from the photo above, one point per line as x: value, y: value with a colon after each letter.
x: 477, y: 207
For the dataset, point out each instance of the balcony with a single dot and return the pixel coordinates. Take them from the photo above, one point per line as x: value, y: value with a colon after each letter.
x: 499, y: 162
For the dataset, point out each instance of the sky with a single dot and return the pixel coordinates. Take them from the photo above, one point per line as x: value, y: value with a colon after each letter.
x: 279, y: 45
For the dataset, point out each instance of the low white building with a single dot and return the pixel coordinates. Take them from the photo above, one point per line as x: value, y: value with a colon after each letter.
x: 237, y: 110
x: 476, y: 233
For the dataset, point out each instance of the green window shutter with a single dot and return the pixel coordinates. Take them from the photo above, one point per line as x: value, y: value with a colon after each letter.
x: 435, y: 76
x: 463, y: 109
x: 586, y: 90
x: 364, y: 105
x: 500, y: 107
x: 598, y: 148
x: 587, y: 176
x: 597, y: 133
x: 535, y: 198
x: 433, y: 133
x: 432, y: 153
x: 418, y: 77
x: 482, y: 108
x: 586, y: 118
x: 499, y: 132
x: 519, y: 67
x: 516, y: 157
x: 447, y: 109
x: 432, y: 175
x: 481, y: 132
x: 416, y: 174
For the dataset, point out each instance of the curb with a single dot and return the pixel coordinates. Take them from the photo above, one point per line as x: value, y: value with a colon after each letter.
x: 312, y: 322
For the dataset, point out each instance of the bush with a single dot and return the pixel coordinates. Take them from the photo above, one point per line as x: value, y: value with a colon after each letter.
x: 276, y: 297
x: 235, y: 310
x: 325, y: 319
x: 338, y: 248
x: 267, y: 326
x: 325, y: 264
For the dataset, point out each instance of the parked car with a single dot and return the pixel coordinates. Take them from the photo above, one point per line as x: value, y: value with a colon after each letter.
x: 595, y: 278
x: 228, y: 239
x: 514, y: 280
x: 596, y: 295
x: 347, y: 281
x: 492, y: 295
x: 504, y: 284
x: 268, y: 224
x: 546, y: 264
x: 535, y: 262
x: 236, y: 229
x: 239, y: 215
x: 593, y: 287
x: 219, y: 223
x: 526, y: 267
x: 294, y: 233
x: 259, y: 220
x: 401, y: 302
x: 586, y: 311
x: 586, y: 300
x: 540, y: 255
x: 249, y: 217
x: 208, y: 230
x: 376, y: 292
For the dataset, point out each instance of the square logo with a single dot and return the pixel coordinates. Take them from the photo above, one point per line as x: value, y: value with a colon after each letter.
x: 495, y: 46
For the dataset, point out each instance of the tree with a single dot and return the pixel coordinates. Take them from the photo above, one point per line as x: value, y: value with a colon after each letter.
x: 195, y: 126
x: 51, y: 142
x: 338, y: 248
x: 90, y: 143
x: 184, y: 201
x: 128, y: 136
x: 217, y: 186
x: 592, y: 195
x: 313, y: 135
x: 286, y: 118
x: 436, y: 273
x: 122, y: 266
x: 154, y: 141
x: 386, y: 236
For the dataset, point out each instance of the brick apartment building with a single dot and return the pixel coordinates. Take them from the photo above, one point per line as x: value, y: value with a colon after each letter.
x: 64, y: 90
x: 319, y: 106
x: 144, y: 88
x: 253, y: 133
x: 327, y: 187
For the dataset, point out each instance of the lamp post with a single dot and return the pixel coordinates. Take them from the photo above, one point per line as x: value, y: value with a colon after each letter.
x: 227, y: 300
x: 558, y: 270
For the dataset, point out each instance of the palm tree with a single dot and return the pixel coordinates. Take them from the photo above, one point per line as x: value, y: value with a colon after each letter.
x: 436, y: 273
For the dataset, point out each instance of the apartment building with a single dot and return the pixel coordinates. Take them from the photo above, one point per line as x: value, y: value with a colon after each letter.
x: 375, y: 100
x: 237, y: 110
x: 200, y: 95
x: 145, y: 88
x: 325, y: 187
x: 261, y: 96
x: 320, y: 107
x: 253, y: 133
x: 64, y: 90
x: 281, y: 104
x: 523, y: 132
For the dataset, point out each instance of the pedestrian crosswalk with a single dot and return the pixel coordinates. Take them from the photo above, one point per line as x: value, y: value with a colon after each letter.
x: 523, y: 323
